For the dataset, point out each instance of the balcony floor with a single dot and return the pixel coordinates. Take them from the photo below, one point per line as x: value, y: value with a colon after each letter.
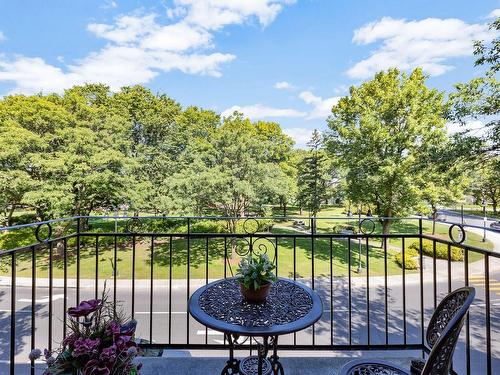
x: 202, y: 362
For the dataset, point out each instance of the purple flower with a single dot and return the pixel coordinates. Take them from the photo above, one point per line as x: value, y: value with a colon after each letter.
x: 35, y: 354
x: 113, y: 329
x: 108, y: 355
x: 70, y: 340
x: 85, y: 346
x: 51, y: 361
x: 94, y: 367
x: 85, y: 308
x: 47, y: 353
x: 124, y: 341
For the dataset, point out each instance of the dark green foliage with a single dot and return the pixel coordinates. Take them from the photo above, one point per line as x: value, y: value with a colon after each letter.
x: 91, y: 150
x: 313, y: 176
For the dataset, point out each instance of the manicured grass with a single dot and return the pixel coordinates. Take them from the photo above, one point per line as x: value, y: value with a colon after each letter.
x: 304, y: 250
x: 198, y: 256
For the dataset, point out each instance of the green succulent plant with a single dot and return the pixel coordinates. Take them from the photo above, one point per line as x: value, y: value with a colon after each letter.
x: 255, y: 271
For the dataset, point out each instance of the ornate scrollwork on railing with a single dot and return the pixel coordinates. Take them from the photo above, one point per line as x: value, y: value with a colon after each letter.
x: 367, y: 230
x: 461, y: 232
x: 38, y: 235
x: 251, y: 245
x: 251, y: 225
x: 243, y: 246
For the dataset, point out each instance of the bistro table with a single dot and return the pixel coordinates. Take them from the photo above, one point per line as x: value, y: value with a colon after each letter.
x: 290, y: 307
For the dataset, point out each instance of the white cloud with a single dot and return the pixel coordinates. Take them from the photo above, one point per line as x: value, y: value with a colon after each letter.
x: 321, y: 107
x: 127, y: 29
x: 259, y: 111
x: 2, y: 36
x: 178, y: 37
x: 215, y: 14
x: 494, y: 13
x: 300, y: 135
x: 427, y: 43
x: 283, y: 85
x: 140, y: 47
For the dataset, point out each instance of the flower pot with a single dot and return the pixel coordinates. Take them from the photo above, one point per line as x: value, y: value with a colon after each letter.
x: 256, y: 296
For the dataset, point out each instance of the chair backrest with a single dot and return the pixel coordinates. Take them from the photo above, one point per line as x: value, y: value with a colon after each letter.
x: 444, y: 330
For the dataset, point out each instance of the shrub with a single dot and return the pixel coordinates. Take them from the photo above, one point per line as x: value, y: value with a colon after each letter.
x: 344, y: 227
x: 24, y: 219
x: 456, y: 253
x: 208, y: 226
x: 409, y: 263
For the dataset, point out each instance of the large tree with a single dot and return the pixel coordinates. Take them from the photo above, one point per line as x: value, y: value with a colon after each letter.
x: 383, y: 134
x: 91, y: 148
x: 66, y: 155
x: 485, y: 184
x: 313, y: 176
x: 479, y: 100
x: 232, y: 174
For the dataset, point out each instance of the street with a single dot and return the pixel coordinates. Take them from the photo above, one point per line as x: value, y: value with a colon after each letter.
x: 324, y: 332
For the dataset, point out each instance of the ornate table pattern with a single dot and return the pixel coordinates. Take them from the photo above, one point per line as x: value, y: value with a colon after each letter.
x: 290, y: 307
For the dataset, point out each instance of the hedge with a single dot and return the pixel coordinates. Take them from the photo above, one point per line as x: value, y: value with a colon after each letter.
x: 410, y: 262
x: 456, y: 253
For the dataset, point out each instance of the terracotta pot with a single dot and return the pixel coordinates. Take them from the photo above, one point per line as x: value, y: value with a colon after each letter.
x: 256, y: 296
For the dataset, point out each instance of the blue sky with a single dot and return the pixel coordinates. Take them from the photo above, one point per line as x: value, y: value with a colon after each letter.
x: 281, y: 60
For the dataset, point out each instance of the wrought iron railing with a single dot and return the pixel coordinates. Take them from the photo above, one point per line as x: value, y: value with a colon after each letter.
x: 153, y: 264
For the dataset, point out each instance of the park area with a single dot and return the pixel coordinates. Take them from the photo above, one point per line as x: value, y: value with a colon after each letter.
x: 207, y: 255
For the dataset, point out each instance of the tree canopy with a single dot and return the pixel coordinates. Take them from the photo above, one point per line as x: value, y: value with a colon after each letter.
x: 91, y: 149
x: 383, y: 134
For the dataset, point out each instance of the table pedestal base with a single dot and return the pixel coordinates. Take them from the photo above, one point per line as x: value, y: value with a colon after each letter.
x: 254, y: 365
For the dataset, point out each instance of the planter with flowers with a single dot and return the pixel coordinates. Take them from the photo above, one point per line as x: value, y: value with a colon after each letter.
x: 255, y: 275
x: 100, y: 342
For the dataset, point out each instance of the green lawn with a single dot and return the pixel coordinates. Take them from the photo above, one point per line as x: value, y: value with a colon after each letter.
x: 198, y: 251
x: 198, y: 256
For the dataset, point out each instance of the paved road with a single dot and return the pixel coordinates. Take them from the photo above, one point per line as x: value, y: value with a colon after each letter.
x: 182, y: 325
x: 456, y: 217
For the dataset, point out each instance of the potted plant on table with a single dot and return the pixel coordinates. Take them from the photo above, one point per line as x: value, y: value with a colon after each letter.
x: 100, y: 342
x: 255, y: 275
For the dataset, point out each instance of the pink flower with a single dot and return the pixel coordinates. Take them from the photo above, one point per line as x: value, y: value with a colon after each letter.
x: 85, y: 308
x: 85, y: 346
x: 93, y: 367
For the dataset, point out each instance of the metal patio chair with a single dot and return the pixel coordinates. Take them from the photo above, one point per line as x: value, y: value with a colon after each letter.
x: 441, y: 336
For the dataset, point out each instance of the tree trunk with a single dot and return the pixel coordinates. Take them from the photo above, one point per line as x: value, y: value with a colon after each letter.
x: 434, y: 216
x: 10, y: 214
x: 386, y: 225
